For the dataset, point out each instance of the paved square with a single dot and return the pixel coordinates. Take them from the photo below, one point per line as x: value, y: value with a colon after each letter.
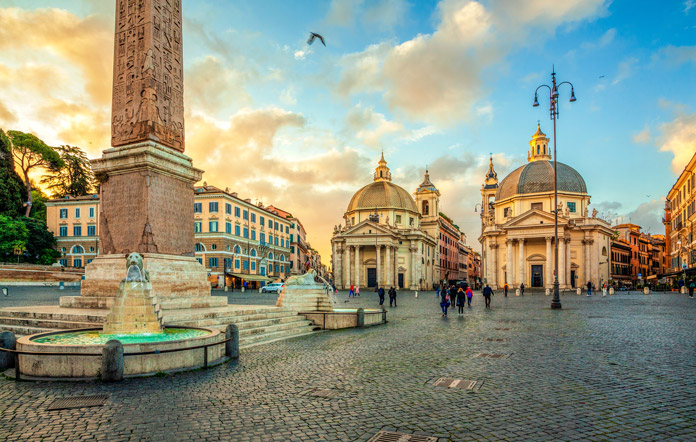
x: 615, y: 368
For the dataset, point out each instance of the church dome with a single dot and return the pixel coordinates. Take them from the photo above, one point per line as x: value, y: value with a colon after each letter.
x: 382, y: 195
x: 537, y: 176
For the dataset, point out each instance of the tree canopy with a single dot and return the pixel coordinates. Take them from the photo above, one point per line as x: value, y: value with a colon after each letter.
x: 12, y: 191
x: 29, y: 153
x: 74, y: 178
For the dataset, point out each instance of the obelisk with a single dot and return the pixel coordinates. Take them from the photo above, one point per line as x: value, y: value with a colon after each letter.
x: 145, y: 180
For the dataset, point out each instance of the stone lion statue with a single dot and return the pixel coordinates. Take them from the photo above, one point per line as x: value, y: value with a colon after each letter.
x: 134, y: 266
x: 306, y: 279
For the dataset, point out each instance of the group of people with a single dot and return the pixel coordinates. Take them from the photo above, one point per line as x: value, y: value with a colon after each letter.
x: 460, y: 295
x: 392, y: 296
x: 354, y: 291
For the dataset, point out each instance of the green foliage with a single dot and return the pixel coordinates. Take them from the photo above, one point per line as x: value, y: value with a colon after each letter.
x: 12, y: 191
x: 38, y: 207
x: 41, y: 244
x: 13, y: 233
x: 74, y: 178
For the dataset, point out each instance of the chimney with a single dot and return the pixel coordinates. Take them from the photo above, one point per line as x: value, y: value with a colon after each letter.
x: 234, y: 194
x: 260, y: 204
x: 248, y: 200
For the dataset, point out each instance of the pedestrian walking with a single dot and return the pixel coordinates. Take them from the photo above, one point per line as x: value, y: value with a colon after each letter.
x: 392, y: 296
x: 589, y: 288
x: 444, y: 301
x: 506, y: 287
x: 691, y: 288
x: 469, y: 295
x: 351, y: 292
x: 521, y: 289
x: 357, y: 291
x: 487, y: 293
x: 380, y: 293
x: 461, y: 300
x: 437, y: 291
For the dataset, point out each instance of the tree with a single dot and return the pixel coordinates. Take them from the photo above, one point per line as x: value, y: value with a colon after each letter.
x: 30, y: 153
x: 12, y: 191
x: 75, y: 178
x: 13, y: 234
x: 41, y: 244
x: 38, y: 207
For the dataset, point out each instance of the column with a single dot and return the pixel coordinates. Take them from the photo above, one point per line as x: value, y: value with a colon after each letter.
x: 412, y: 251
x: 521, y: 269
x: 346, y: 266
x: 378, y: 252
x: 494, y: 266
x: 568, y: 264
x: 594, y: 260
x: 586, y: 272
x: 561, y: 262
x: 510, y: 264
x: 357, y: 266
x: 387, y: 265
x: 395, y: 267
x: 548, y: 274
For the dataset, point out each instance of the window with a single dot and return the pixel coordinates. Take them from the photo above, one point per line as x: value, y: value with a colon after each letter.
x: 213, y: 226
x: 63, y: 213
x: 276, y: 240
x: 410, y: 221
x: 507, y: 212
x: 537, y: 206
x: 263, y: 270
x: 282, y: 242
x: 253, y: 217
x: 200, y: 261
x: 212, y: 262
x: 77, y: 230
x: 262, y: 238
x: 228, y: 227
x: 91, y: 212
x: 77, y: 262
x: 63, y: 231
x: 77, y: 250
x: 262, y: 220
x: 91, y: 230
x: 253, y: 252
x: 197, y: 207
x: 246, y: 232
x: 198, y: 227
x: 253, y: 265
x: 198, y: 247
x: 291, y: 237
x: 270, y: 239
x: 237, y: 230
x: 77, y: 212
x: 287, y: 229
x: 246, y: 214
x: 571, y: 207
x: 253, y: 235
x: 237, y: 212
x: 237, y: 250
x: 213, y: 207
x: 228, y: 263
x: 213, y: 247
x: 236, y: 263
x: 228, y: 208
x: 63, y: 262
x: 292, y: 249
x: 276, y: 225
x: 246, y: 265
x: 398, y: 219
x: 426, y: 208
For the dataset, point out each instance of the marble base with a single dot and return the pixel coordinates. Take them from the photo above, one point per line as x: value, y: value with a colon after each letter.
x: 304, y: 298
x: 173, y: 278
x: 135, y: 310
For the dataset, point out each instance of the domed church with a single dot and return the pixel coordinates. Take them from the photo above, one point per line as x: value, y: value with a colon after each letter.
x: 517, y: 226
x: 383, y: 242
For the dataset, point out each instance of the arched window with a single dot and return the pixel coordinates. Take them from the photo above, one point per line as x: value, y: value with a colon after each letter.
x: 426, y: 208
x: 282, y: 258
x: 237, y: 250
x: 199, y: 247
x: 604, y: 251
x: 213, y: 246
x: 538, y: 150
x: 77, y: 249
x: 380, y: 174
x: 270, y: 255
x: 253, y: 252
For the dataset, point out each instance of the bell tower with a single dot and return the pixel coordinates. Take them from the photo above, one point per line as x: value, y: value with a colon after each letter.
x: 539, y: 147
x: 489, y: 189
x: 428, y: 199
x: 382, y: 172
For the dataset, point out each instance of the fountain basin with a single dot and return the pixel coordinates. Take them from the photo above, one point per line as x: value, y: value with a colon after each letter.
x: 61, y: 353
x: 343, y: 318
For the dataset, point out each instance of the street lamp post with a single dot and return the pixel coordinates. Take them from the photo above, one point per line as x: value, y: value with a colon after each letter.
x: 553, y: 109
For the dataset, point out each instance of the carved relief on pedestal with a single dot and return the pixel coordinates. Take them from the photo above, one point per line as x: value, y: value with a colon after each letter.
x: 148, y: 93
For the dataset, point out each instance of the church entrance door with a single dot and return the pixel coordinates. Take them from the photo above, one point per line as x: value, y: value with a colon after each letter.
x: 371, y: 277
x: 572, y: 278
x: 401, y: 280
x: 537, y: 276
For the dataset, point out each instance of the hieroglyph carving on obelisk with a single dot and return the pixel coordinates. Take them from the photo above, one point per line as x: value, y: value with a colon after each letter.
x: 148, y: 94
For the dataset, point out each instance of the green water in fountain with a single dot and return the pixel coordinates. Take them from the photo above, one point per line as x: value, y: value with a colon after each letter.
x: 94, y: 337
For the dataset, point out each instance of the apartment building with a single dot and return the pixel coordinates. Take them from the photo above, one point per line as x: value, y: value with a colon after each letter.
x: 74, y: 221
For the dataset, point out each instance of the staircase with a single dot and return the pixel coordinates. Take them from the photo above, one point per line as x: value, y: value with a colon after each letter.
x: 257, y: 324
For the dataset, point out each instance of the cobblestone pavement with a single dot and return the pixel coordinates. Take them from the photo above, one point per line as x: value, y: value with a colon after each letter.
x: 604, y: 368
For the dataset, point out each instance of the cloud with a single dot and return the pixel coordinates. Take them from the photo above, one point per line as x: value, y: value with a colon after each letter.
x: 648, y: 215
x: 625, y: 70
x: 380, y: 14
x: 6, y: 116
x: 79, y: 41
x: 212, y: 86
x: 688, y: 5
x: 679, y: 137
x: 343, y: 12
x: 370, y: 127
x: 674, y: 56
x: 439, y: 77
x: 604, y: 40
x: 643, y: 136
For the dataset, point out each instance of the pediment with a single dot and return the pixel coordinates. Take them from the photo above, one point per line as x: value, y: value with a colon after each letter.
x: 533, y: 218
x: 368, y: 228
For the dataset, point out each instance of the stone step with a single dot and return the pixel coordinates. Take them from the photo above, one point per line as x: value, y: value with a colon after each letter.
x: 259, y: 322
x: 22, y: 330
x: 47, y: 323
x: 53, y: 316
x: 299, y: 325
x: 228, y: 314
x: 247, y: 341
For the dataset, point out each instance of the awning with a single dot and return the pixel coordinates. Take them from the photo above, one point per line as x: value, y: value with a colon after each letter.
x: 250, y: 277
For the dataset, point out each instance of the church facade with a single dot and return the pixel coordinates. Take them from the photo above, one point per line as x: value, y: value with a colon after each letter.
x: 517, y: 226
x: 384, y: 242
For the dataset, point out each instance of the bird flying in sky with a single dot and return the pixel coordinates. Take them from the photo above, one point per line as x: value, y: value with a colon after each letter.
x: 313, y: 36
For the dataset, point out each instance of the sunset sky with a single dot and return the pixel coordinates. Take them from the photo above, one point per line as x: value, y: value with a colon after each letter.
x: 442, y: 84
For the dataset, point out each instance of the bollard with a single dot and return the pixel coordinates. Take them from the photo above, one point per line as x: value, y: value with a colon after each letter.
x: 8, y: 341
x: 5, y: 291
x: 232, y: 347
x: 61, y: 285
x: 361, y: 317
x: 517, y: 292
x: 225, y: 288
x: 384, y: 315
x: 112, y: 361
x: 548, y: 292
x: 611, y: 290
x: 604, y: 292
x: 416, y: 293
x: 579, y: 291
x: 646, y: 290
